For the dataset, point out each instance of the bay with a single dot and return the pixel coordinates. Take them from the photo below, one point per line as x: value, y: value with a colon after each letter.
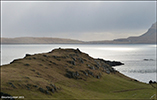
x: 139, y: 59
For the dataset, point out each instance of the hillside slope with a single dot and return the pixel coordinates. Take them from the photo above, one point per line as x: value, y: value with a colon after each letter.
x: 69, y: 74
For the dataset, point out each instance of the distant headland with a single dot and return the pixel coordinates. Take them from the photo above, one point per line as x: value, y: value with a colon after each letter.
x: 147, y: 38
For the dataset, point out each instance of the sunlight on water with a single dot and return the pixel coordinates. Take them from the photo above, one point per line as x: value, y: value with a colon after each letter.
x: 133, y: 56
x: 141, y: 71
x: 117, y: 49
x: 153, y: 45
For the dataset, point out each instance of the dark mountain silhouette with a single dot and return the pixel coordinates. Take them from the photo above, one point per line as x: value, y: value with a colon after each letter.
x: 148, y: 37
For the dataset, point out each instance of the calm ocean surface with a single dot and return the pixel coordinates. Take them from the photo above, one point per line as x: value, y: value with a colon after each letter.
x: 131, y: 55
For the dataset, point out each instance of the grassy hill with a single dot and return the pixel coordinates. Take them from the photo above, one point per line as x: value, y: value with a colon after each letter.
x: 69, y: 74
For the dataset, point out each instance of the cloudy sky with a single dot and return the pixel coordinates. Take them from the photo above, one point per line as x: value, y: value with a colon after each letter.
x: 89, y: 20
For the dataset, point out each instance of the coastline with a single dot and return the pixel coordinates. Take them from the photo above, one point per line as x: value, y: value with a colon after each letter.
x: 64, y: 65
x: 103, y: 51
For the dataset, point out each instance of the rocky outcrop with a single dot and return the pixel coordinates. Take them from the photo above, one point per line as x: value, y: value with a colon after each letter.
x: 92, y: 67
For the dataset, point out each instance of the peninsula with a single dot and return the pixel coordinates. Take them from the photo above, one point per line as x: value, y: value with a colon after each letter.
x: 69, y: 74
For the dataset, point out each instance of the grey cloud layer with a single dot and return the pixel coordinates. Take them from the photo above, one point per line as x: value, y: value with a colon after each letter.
x: 75, y: 19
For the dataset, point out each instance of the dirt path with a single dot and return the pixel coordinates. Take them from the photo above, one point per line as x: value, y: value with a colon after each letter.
x: 130, y: 90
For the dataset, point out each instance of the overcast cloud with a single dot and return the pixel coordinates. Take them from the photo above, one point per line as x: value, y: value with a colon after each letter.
x: 77, y: 20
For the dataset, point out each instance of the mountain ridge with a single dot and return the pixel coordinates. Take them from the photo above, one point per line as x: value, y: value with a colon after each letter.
x: 148, y: 37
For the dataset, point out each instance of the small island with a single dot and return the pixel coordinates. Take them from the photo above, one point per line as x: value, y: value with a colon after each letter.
x: 69, y: 74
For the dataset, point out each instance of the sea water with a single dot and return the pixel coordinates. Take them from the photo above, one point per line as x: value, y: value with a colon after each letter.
x: 139, y: 59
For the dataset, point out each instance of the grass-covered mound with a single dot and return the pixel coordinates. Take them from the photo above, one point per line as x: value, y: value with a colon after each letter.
x: 69, y: 74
